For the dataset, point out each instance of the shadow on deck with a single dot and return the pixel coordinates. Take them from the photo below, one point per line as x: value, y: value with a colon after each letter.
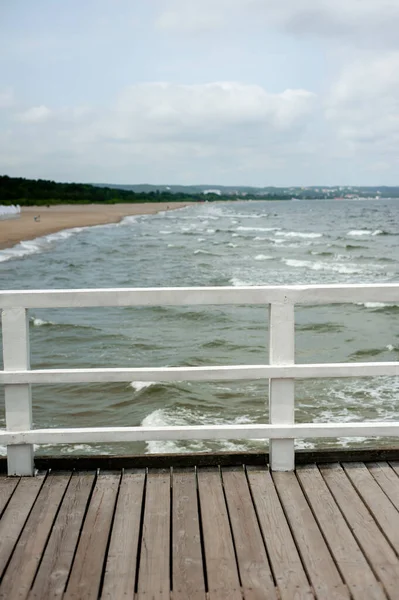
x: 327, y: 531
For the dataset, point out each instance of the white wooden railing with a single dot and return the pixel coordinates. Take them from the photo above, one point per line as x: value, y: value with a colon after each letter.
x: 281, y: 371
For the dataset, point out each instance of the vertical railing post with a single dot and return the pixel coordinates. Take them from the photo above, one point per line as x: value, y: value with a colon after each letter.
x: 281, y: 391
x: 18, y: 399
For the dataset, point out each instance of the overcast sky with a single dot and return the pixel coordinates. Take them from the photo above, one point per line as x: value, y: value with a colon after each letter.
x: 250, y: 92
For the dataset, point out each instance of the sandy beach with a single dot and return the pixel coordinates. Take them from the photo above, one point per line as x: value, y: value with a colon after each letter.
x: 65, y: 216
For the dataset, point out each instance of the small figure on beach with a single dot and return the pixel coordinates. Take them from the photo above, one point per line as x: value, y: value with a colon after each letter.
x: 37, y: 218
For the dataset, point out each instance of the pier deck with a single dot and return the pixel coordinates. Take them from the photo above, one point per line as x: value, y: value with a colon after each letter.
x: 325, y: 531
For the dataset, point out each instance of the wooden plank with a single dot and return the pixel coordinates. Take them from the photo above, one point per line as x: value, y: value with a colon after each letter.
x: 188, y: 567
x: 120, y: 570
x: 23, y: 565
x: 7, y: 487
x: 87, y: 568
x: 221, y: 566
x: 15, y: 515
x: 255, y: 574
x: 387, y: 479
x: 373, y: 543
x: 154, y: 567
x: 57, y: 559
x: 376, y: 500
x: 314, y: 552
x: 395, y: 465
x: 349, y: 558
x: 287, y: 567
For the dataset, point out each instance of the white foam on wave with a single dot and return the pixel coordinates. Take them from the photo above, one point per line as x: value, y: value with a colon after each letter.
x: 263, y: 257
x: 39, y: 244
x: 199, y: 251
x: 350, y: 400
x: 231, y: 245
x: 241, y: 228
x: 130, y: 220
x: 39, y: 322
x: 68, y: 449
x: 164, y: 417
x: 298, y: 234
x: 363, y: 232
x: 322, y: 266
x: 138, y: 386
x: 237, y: 282
x: 372, y: 304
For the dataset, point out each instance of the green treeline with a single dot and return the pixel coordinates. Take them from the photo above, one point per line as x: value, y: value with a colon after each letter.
x: 32, y: 192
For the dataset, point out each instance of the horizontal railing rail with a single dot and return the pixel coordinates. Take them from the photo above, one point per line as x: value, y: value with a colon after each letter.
x: 17, y: 376
x: 179, y: 296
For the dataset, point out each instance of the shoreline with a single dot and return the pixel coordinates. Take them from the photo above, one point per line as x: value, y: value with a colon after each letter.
x: 67, y: 216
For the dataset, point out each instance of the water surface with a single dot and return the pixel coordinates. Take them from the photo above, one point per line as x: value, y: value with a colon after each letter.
x: 237, y: 243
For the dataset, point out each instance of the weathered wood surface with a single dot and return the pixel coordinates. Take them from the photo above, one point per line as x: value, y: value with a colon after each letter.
x: 220, y: 561
x: 120, y: 570
x: 325, y: 531
x: 154, y: 566
x: 187, y: 573
x: 53, y: 572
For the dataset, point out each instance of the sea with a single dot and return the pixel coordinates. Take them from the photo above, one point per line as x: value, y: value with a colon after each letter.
x: 240, y: 243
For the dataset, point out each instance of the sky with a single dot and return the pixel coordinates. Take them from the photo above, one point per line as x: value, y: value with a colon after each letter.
x: 228, y: 92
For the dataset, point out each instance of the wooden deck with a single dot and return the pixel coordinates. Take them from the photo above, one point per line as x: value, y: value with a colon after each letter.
x: 327, y: 531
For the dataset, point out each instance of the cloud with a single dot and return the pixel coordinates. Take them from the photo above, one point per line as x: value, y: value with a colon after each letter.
x: 362, y: 22
x: 36, y: 114
x: 167, y: 131
x: 171, y: 111
x: 363, y: 104
x: 6, y: 98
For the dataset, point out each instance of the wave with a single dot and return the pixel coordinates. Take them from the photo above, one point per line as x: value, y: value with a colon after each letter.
x: 321, y: 327
x: 39, y: 322
x: 65, y: 327
x: 39, y: 244
x: 291, y: 234
x: 372, y: 304
x: 258, y: 228
x: 366, y: 353
x: 139, y: 386
x: 362, y: 232
x: 322, y: 266
x: 380, y: 307
x: 130, y: 220
x: 207, y: 252
x: 181, y: 416
x: 263, y: 257
x: 353, y: 247
x: 237, y: 282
